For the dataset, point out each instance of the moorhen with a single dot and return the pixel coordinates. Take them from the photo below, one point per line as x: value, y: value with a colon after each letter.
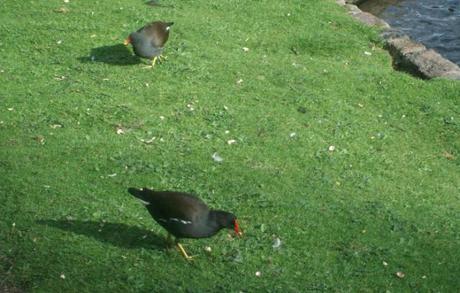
x: 184, y: 215
x: 148, y: 41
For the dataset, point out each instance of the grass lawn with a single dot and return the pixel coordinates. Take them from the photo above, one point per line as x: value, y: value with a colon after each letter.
x: 352, y: 165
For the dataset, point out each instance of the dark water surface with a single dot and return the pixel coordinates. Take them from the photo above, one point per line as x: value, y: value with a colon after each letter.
x: 434, y: 23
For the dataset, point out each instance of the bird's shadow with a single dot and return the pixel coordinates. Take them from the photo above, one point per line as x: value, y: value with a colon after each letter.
x: 117, y: 234
x: 118, y: 54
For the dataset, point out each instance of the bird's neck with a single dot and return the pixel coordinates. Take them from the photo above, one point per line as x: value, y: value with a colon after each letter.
x: 218, y: 217
x: 214, y: 223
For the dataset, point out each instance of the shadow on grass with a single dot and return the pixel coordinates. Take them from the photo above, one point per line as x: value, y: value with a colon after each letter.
x: 118, y: 54
x: 117, y: 234
x: 155, y: 3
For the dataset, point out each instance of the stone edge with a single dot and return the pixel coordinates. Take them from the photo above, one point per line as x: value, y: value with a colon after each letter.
x: 407, y: 54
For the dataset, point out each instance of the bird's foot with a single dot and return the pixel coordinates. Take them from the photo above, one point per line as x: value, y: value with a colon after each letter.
x: 183, y: 252
x: 154, y: 61
x: 161, y: 57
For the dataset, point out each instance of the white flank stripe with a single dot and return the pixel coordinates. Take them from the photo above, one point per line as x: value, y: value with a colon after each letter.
x: 180, y: 221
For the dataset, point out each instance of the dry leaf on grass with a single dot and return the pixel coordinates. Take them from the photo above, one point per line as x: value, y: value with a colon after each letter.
x: 62, y: 10
x: 120, y: 130
x: 448, y: 155
x: 217, y: 158
x: 40, y: 139
x: 400, y: 275
x: 276, y: 243
x: 148, y: 141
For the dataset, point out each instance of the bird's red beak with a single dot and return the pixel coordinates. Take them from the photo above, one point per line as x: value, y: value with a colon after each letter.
x: 127, y: 41
x: 237, y: 229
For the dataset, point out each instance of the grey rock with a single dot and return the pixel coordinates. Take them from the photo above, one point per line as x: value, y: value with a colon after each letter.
x: 416, y: 58
x: 365, y: 17
x: 355, y: 2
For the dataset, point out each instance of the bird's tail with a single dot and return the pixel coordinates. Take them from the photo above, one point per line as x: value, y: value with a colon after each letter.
x: 143, y: 194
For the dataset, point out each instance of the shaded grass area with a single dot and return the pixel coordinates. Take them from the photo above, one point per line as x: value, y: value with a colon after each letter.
x: 81, y: 120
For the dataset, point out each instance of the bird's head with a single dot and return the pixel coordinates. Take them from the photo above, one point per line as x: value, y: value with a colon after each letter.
x: 143, y: 194
x: 236, y: 228
x: 229, y: 221
x: 128, y: 41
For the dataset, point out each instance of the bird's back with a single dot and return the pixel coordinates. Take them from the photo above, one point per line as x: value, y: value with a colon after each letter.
x: 157, y: 32
x: 176, y: 205
x: 181, y: 214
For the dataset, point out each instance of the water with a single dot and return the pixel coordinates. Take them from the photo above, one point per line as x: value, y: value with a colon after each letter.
x: 434, y: 23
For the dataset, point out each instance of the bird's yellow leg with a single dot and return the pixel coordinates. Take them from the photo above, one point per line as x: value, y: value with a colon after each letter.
x: 162, y: 57
x: 154, y: 61
x: 182, y: 250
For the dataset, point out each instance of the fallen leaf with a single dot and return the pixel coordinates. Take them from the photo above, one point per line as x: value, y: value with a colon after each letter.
x: 148, y: 141
x: 62, y: 10
x: 217, y: 158
x: 120, y: 130
x: 62, y: 77
x: 448, y: 155
x: 276, y: 243
x: 40, y: 139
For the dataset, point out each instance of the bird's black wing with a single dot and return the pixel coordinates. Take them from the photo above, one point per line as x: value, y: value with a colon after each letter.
x: 183, y: 206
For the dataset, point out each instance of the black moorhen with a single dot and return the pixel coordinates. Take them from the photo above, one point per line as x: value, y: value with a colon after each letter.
x: 148, y: 41
x: 184, y: 215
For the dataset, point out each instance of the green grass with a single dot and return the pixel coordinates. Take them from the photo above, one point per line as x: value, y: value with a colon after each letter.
x: 387, y: 193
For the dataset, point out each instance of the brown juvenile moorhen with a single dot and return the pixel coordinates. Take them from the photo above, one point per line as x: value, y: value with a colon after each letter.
x: 148, y: 41
x: 184, y: 215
